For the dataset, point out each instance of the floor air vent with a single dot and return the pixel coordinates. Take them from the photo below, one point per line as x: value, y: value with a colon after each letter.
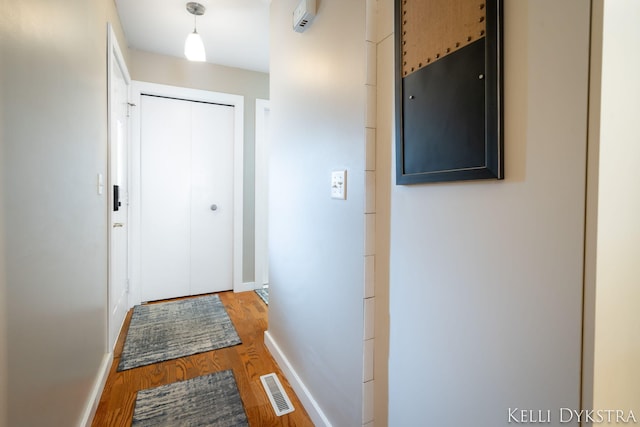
x: 277, y: 396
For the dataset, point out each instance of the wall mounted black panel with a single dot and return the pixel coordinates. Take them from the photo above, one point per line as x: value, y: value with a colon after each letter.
x: 448, y: 111
x: 444, y: 113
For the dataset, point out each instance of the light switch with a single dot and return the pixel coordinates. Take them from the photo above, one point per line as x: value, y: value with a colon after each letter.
x: 339, y: 185
x: 100, y: 184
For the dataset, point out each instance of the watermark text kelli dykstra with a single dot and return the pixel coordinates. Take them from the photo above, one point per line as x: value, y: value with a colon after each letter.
x: 567, y: 415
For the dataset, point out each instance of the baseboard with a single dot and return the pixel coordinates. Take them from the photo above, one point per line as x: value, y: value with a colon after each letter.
x: 245, y: 286
x: 96, y: 391
x: 310, y: 405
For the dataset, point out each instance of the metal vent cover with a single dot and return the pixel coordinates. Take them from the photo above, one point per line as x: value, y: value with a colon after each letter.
x: 277, y: 396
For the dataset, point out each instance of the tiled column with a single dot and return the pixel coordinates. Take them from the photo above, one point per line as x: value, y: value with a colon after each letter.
x: 370, y: 217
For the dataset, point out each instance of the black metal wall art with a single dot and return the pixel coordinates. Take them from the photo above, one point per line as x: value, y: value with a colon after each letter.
x: 448, y: 90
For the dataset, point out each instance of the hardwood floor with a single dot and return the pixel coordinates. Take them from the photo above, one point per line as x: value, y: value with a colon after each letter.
x: 248, y: 360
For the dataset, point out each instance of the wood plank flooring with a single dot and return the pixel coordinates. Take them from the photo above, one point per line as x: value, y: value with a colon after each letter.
x: 248, y: 360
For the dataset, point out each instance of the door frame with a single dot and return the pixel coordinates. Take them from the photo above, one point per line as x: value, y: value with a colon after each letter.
x: 139, y: 88
x: 262, y: 190
x: 114, y: 57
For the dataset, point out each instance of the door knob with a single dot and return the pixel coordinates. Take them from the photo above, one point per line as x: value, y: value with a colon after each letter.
x: 214, y: 207
x: 118, y: 224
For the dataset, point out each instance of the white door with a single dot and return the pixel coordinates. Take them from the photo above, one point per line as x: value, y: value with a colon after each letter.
x: 186, y: 190
x: 118, y: 192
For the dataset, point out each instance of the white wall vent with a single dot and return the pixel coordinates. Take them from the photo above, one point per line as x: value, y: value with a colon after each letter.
x: 277, y: 396
x: 303, y: 15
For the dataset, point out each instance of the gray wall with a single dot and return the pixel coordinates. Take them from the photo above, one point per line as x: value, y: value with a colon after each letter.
x: 486, y: 277
x: 54, y: 143
x: 154, y: 68
x: 316, y: 252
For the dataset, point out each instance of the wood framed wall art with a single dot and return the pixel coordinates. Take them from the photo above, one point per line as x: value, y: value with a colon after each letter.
x: 448, y: 90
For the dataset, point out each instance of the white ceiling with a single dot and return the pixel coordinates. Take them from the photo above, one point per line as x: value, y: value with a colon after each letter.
x: 235, y: 32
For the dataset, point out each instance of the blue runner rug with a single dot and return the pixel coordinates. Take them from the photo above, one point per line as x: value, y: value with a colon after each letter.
x: 169, y: 330
x: 208, y: 401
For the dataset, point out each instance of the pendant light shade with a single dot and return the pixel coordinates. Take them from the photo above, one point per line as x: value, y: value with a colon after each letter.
x: 193, y: 46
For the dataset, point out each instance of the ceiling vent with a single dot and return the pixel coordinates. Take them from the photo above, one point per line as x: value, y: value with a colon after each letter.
x: 303, y: 15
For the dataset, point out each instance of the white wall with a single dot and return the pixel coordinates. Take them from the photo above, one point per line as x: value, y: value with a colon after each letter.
x: 316, y: 243
x: 486, y: 277
x: 54, y: 138
x: 155, y: 68
x: 616, y: 374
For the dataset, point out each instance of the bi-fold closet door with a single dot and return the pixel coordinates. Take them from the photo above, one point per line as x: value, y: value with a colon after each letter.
x: 186, y: 197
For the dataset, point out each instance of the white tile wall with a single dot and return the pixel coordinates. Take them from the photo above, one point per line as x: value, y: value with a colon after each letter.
x: 371, y: 106
x: 370, y: 149
x: 369, y: 318
x: 370, y: 192
x: 371, y: 20
x: 371, y: 46
x: 369, y: 275
x: 371, y: 63
x: 367, y: 402
x: 367, y: 359
x: 370, y: 234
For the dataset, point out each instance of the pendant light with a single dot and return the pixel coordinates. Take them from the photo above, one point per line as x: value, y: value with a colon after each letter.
x: 193, y: 46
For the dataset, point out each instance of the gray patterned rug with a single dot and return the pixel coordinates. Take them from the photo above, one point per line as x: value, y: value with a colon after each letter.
x: 169, y: 330
x: 264, y: 294
x: 210, y: 400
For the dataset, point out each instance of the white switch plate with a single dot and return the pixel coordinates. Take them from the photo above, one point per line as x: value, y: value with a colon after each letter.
x: 339, y: 185
x: 100, y: 184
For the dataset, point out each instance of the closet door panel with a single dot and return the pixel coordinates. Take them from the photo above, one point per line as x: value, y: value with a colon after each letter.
x: 165, y: 193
